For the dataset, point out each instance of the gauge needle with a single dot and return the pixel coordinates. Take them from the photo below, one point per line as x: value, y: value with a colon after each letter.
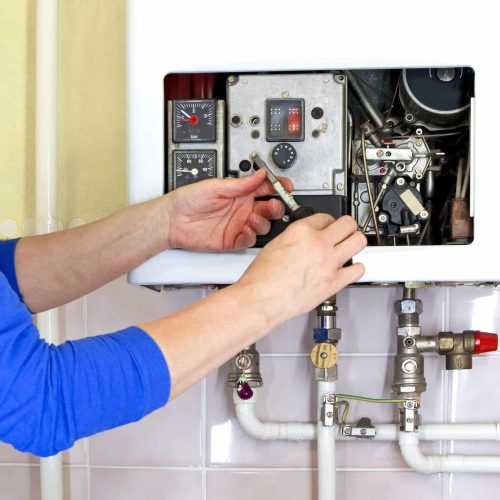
x: 185, y: 114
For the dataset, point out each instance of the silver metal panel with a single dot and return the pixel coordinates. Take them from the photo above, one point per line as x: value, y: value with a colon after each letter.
x: 321, y: 159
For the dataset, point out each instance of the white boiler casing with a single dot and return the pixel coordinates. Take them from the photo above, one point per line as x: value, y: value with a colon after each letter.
x: 166, y: 37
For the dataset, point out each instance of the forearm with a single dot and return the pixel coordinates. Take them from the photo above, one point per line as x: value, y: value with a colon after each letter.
x: 202, y: 337
x: 56, y: 268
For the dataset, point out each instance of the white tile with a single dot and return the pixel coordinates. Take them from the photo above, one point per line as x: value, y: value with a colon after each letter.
x: 126, y: 484
x: 482, y: 486
x: 75, y: 483
x: 289, y: 394
x: 20, y: 483
x: 476, y: 392
x: 170, y: 436
x: 294, y: 336
x: 9, y: 455
x: 299, y: 485
x: 119, y: 305
x: 475, y: 308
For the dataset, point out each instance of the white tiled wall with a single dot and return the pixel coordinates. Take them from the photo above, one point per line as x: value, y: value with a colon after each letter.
x: 194, y: 449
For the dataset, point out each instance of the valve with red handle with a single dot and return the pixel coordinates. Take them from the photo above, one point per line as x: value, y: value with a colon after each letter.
x: 459, y: 347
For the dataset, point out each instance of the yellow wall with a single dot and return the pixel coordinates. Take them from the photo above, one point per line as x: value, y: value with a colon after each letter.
x: 91, y: 110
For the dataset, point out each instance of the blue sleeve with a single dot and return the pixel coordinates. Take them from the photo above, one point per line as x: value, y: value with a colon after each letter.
x: 51, y: 396
x: 7, y: 264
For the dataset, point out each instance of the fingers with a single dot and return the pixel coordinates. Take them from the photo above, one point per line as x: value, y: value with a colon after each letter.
x: 349, y: 247
x: 317, y: 221
x: 349, y: 274
x: 247, y: 238
x: 233, y: 188
x: 341, y: 229
x: 270, y: 209
x: 260, y: 225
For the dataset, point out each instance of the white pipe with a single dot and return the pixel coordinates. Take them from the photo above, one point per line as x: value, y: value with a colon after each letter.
x: 291, y: 431
x: 429, y: 464
x: 46, y: 189
x: 326, y: 449
x: 303, y: 431
x: 443, y: 432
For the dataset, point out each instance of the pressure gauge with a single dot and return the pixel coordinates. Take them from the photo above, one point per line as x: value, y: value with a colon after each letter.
x: 193, y: 166
x: 194, y: 121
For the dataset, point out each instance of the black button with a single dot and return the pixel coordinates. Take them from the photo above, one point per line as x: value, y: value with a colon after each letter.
x: 245, y: 165
x: 317, y: 113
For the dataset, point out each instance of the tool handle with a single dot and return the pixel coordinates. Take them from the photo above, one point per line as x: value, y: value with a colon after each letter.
x: 301, y: 213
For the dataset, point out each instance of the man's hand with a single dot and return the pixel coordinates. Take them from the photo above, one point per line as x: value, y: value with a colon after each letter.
x: 304, y: 266
x: 294, y: 273
x: 222, y: 214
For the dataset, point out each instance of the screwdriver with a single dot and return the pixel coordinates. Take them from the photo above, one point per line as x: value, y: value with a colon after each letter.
x: 297, y: 211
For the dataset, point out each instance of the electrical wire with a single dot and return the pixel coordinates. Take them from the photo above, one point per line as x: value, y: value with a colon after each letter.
x: 369, y: 400
x: 369, y: 188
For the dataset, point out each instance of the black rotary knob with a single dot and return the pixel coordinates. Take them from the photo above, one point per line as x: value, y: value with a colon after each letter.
x: 284, y: 155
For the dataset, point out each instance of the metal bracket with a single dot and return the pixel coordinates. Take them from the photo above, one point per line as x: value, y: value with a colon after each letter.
x: 362, y: 430
x: 329, y: 411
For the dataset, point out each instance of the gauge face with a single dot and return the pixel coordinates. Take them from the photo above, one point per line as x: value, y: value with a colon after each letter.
x: 194, y: 121
x: 193, y: 166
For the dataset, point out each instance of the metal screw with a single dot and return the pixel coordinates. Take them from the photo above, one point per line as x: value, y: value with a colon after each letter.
x: 409, y: 420
x: 231, y: 79
x: 409, y: 117
x: 424, y: 214
x: 388, y: 153
x: 330, y: 398
x: 418, y: 143
x: 363, y: 432
x: 356, y: 171
x: 340, y: 186
x: 400, y: 181
x: 382, y: 218
x: 380, y: 153
x: 419, y: 131
x: 323, y: 355
x: 285, y: 94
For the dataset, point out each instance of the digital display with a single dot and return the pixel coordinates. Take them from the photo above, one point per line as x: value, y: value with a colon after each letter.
x: 285, y: 120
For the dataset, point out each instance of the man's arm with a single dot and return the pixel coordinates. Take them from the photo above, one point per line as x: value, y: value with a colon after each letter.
x: 214, y: 215
x: 291, y: 276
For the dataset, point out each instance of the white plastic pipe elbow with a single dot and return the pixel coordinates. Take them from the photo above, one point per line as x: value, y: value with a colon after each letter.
x: 291, y: 431
x: 429, y: 464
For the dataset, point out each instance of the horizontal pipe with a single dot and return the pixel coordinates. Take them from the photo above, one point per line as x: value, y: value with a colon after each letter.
x: 303, y: 431
x: 432, y: 464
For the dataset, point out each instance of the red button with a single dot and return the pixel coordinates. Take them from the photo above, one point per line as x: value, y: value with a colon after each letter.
x: 485, y: 342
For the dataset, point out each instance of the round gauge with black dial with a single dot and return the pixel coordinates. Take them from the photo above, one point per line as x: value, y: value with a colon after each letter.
x: 193, y: 166
x: 194, y: 120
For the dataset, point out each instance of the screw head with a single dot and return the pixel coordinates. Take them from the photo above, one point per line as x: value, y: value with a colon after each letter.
x: 340, y: 186
x: 380, y: 153
x: 424, y: 214
x: 285, y: 94
x: 400, y: 181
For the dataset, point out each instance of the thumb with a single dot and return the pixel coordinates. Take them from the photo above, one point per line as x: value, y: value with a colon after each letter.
x: 233, y: 188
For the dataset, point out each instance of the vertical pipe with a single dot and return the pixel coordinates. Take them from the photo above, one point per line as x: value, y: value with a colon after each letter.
x: 326, y: 449
x: 46, y: 188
